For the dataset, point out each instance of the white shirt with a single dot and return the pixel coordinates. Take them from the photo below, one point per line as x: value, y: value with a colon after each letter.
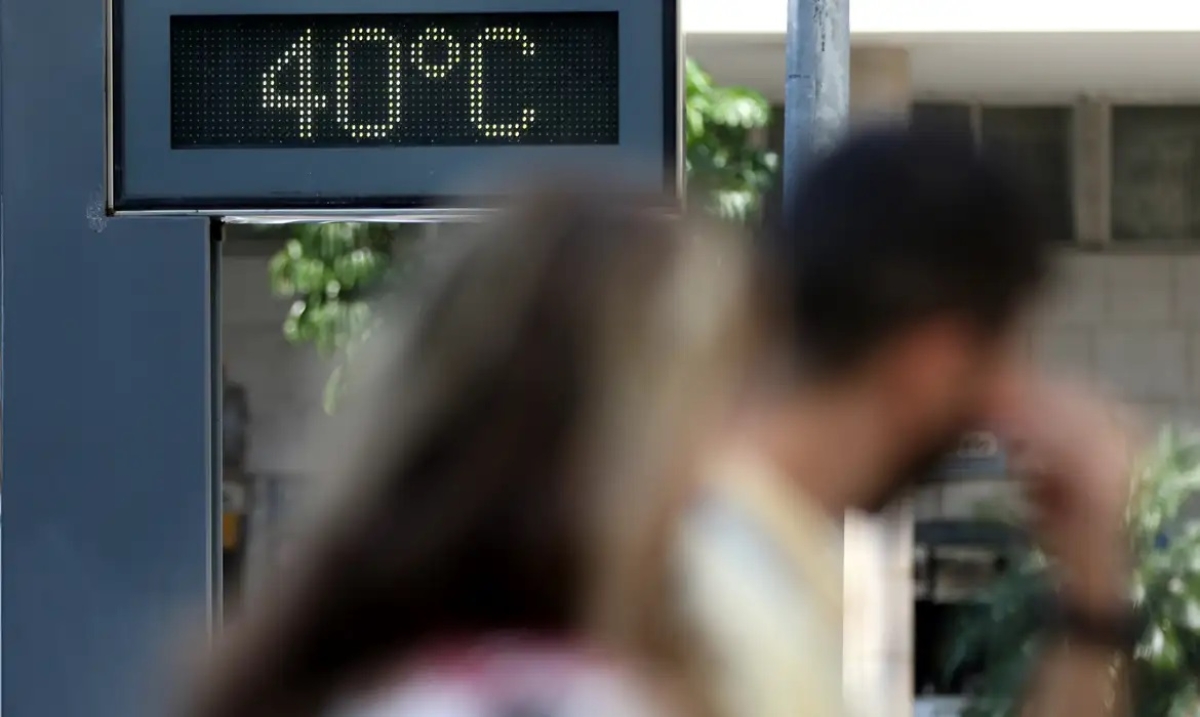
x: 764, y: 586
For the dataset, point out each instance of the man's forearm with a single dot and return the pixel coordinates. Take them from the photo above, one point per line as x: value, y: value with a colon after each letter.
x: 1077, y: 682
x: 1085, y: 677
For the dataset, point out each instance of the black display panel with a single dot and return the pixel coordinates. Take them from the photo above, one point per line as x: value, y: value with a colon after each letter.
x: 463, y: 79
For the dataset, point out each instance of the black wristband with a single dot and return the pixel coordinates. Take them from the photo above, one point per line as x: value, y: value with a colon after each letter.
x: 1120, y: 632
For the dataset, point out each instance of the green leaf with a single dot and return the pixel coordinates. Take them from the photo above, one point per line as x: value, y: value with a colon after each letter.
x: 740, y: 108
x: 728, y: 168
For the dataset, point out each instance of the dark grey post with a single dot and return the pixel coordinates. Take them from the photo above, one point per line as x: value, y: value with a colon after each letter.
x: 817, y: 93
x: 107, y: 393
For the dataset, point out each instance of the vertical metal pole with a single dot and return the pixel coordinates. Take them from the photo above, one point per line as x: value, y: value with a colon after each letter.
x: 817, y: 90
x: 817, y: 93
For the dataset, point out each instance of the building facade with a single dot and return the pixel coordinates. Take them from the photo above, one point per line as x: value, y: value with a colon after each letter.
x: 1102, y: 102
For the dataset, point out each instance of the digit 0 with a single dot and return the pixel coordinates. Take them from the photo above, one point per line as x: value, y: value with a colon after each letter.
x: 342, y: 92
x: 478, y: 114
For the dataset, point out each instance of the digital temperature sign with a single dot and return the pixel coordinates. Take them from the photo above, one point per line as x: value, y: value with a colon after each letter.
x: 338, y: 80
x: 231, y: 106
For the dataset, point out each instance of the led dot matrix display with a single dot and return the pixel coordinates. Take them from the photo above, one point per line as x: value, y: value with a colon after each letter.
x: 254, y: 81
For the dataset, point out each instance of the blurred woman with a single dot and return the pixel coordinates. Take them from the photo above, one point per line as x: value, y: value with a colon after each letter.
x: 498, y: 544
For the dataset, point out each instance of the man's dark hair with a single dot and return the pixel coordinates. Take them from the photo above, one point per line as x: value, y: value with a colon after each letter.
x: 895, y: 227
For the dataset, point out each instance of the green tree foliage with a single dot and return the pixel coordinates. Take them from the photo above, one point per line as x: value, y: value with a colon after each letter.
x: 728, y: 171
x: 1166, y: 545
x: 329, y: 270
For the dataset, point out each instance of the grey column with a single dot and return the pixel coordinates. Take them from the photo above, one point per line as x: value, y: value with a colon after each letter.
x: 817, y: 89
x: 107, y: 389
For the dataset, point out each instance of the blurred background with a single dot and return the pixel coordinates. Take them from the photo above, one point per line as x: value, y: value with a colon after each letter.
x: 1101, y: 105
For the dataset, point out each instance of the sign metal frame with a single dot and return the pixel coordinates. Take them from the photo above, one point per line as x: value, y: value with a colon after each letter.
x: 428, y: 206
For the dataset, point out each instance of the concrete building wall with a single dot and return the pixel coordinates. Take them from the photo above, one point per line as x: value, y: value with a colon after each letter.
x: 1131, y: 322
x: 1128, y: 321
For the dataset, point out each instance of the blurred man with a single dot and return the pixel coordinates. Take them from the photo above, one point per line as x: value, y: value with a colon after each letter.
x: 909, y: 267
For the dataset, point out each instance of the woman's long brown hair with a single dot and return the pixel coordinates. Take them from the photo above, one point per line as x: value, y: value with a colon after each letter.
x: 518, y: 466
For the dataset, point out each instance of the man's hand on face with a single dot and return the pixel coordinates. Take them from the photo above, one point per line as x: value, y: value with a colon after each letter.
x: 1074, y: 451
